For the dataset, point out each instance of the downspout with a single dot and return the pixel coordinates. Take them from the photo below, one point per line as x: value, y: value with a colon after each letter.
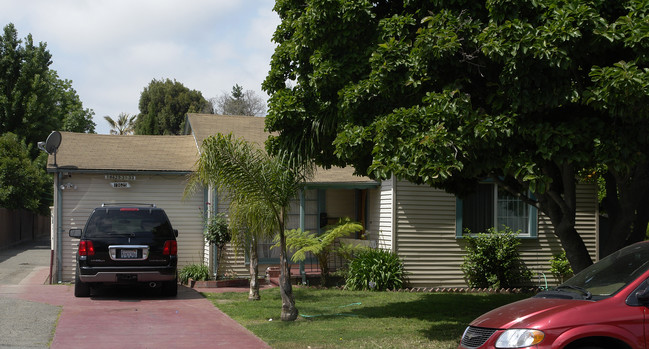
x: 59, y: 227
x: 52, y: 227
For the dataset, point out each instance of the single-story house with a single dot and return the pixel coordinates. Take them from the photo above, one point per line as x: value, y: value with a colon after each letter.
x: 422, y: 225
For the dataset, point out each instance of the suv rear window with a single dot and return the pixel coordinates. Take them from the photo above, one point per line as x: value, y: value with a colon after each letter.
x: 140, y: 222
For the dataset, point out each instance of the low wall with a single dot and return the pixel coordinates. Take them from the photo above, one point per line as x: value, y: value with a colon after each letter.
x: 21, y: 225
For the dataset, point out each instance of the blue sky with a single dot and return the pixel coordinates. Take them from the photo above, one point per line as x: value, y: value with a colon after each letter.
x: 112, y: 49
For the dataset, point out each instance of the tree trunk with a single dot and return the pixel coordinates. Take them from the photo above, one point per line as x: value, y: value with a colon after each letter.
x: 289, y: 310
x: 576, y: 251
x: 253, y: 294
x: 220, y: 250
x: 627, y: 206
x: 559, y: 203
x: 639, y: 232
x: 323, y: 260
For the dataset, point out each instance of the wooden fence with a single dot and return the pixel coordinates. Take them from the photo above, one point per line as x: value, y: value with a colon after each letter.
x: 21, y: 225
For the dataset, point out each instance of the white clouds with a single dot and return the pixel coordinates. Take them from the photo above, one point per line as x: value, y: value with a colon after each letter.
x: 264, y: 19
x: 112, y: 49
x: 102, y: 24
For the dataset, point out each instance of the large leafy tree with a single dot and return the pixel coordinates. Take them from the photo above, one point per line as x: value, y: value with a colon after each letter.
x: 34, y: 101
x: 239, y: 102
x: 259, y: 188
x: 74, y: 117
x: 164, y: 105
x: 23, y: 181
x: 446, y: 93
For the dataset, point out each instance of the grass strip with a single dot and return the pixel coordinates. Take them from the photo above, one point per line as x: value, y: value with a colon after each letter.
x: 359, y: 319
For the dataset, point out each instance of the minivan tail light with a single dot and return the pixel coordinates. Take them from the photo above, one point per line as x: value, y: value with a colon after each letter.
x: 86, y: 248
x: 170, y: 248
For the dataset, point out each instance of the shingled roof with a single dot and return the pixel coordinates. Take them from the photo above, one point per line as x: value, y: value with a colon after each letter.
x: 251, y: 129
x: 97, y: 152
x: 82, y: 151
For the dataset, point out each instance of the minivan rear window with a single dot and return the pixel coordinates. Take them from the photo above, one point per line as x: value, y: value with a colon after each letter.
x: 145, y: 223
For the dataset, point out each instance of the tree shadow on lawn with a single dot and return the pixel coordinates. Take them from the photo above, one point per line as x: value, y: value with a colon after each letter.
x: 306, y: 295
x: 448, y: 313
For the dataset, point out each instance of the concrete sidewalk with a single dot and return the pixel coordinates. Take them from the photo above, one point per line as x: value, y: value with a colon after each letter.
x: 36, y: 314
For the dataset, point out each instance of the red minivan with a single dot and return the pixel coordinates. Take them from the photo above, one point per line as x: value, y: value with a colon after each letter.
x: 605, y: 306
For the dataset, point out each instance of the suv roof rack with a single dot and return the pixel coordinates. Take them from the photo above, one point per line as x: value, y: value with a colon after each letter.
x: 126, y: 204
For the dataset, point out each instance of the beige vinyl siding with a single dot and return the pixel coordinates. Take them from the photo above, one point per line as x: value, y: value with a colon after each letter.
x: 386, y: 214
x: 432, y: 255
x: 88, y: 191
x: 425, y: 235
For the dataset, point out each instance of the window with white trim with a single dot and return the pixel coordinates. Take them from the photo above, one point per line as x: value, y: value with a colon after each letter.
x: 493, y: 207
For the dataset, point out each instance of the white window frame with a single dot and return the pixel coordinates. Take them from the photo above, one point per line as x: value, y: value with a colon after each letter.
x: 532, y: 219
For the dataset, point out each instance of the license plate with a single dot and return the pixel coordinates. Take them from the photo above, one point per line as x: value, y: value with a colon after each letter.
x: 128, y: 254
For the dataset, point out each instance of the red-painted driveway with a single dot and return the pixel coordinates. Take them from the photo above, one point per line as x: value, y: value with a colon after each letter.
x: 124, y: 318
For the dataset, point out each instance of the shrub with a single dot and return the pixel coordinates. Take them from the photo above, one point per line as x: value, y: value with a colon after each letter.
x: 217, y: 231
x: 492, y: 260
x: 560, y: 267
x: 193, y: 271
x: 375, y: 270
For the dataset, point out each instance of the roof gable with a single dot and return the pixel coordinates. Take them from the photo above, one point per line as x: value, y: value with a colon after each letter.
x: 83, y: 151
x: 252, y: 129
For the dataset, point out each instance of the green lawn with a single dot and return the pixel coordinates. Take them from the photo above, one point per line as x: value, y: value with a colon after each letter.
x: 350, y: 319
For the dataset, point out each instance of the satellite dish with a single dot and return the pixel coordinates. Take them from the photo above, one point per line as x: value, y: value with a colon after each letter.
x: 53, y: 142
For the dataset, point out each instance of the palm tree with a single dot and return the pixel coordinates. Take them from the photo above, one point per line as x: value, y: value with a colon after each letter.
x: 322, y: 245
x: 124, y: 125
x: 249, y: 222
x: 260, y: 189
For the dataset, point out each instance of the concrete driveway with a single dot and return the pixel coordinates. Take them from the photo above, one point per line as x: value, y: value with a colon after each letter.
x: 38, y: 315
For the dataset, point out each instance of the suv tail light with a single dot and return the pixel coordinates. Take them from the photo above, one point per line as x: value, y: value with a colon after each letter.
x: 170, y: 248
x: 86, y: 248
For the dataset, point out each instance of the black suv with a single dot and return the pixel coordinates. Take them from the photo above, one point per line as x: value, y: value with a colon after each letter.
x: 126, y: 244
